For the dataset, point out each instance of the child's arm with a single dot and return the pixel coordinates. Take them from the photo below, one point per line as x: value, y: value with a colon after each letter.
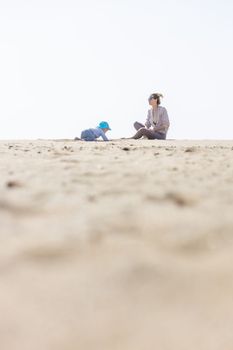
x: 104, y: 137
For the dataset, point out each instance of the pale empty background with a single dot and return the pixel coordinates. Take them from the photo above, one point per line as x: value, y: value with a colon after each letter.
x: 65, y: 65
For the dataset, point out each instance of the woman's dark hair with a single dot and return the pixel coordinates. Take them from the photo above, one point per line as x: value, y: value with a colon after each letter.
x: 156, y: 96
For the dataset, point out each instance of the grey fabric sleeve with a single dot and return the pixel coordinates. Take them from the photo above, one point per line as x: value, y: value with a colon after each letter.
x: 104, y: 137
x: 148, y: 123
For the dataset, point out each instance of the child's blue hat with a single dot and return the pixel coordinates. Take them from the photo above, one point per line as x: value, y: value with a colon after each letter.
x: 104, y: 125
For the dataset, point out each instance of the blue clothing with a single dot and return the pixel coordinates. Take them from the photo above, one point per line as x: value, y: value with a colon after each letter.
x: 93, y: 134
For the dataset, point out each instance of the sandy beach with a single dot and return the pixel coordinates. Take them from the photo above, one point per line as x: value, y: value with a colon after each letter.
x: 123, y: 245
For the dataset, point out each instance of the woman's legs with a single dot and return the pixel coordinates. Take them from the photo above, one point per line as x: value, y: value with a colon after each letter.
x: 138, y: 125
x: 159, y: 136
x: 150, y: 134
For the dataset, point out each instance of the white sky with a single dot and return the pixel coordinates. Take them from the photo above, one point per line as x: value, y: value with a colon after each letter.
x: 65, y: 65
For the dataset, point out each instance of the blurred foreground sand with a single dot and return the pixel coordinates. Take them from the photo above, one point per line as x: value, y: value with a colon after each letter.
x: 125, y: 245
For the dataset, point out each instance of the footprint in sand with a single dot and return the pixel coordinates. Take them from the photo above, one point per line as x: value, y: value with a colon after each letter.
x: 190, y: 149
x: 180, y: 199
x: 13, y: 184
x: 49, y: 252
x: 68, y: 148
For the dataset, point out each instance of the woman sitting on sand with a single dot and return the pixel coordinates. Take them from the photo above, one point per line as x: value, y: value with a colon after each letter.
x: 157, y: 122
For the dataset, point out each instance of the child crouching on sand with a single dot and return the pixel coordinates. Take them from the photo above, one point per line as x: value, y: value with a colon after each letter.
x: 93, y: 134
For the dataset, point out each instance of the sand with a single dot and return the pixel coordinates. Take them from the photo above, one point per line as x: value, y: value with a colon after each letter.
x: 118, y: 245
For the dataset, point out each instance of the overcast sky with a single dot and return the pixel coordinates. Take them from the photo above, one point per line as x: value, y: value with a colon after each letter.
x: 65, y: 65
